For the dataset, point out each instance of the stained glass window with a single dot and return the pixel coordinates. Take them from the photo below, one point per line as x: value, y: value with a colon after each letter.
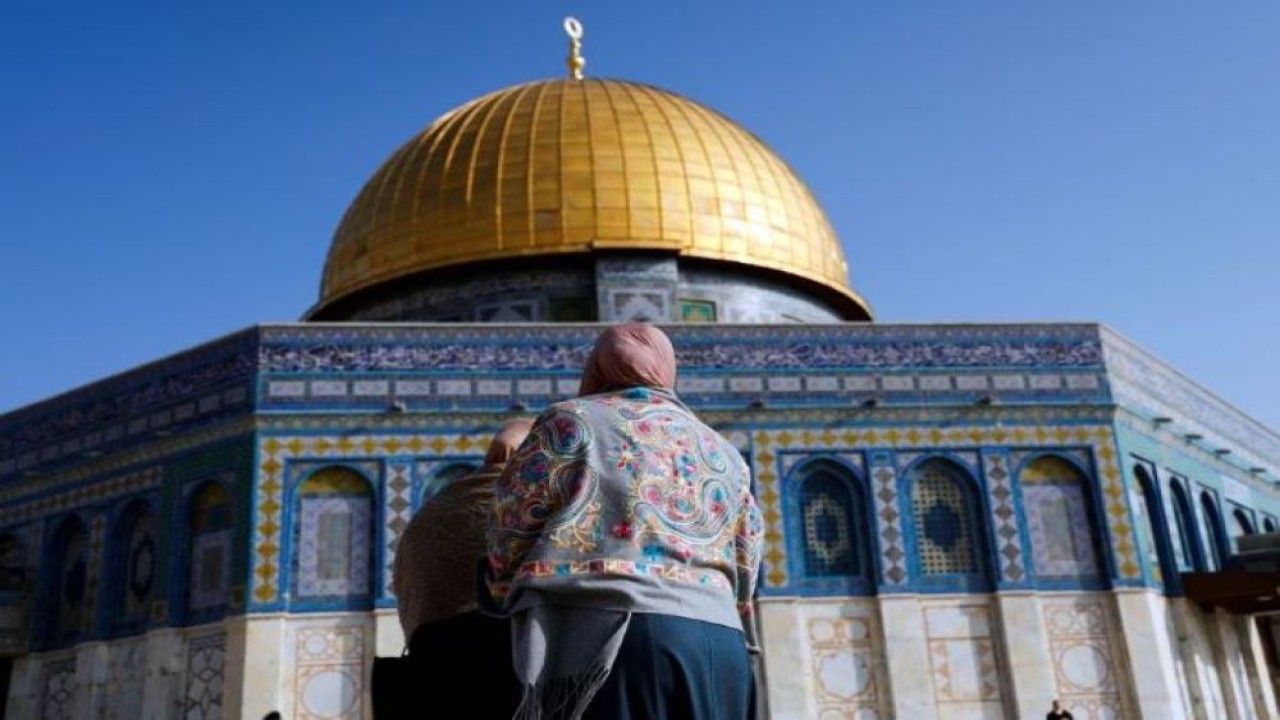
x: 943, y: 523
x: 335, y: 509
x: 1058, y: 518
x: 827, y: 510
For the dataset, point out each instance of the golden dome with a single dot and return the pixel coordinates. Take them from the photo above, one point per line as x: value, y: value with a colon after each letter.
x: 571, y: 166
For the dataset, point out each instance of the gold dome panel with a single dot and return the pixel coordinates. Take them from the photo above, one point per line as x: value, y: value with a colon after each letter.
x: 571, y: 166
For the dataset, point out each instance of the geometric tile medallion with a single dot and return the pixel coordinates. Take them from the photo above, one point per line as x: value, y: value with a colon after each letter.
x: 202, y: 699
x: 330, y: 671
x: 1080, y: 632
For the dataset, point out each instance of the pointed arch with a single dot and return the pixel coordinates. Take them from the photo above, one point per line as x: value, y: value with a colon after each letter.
x: 1150, y: 524
x: 441, y: 478
x: 1268, y: 524
x: 68, y: 555
x: 1064, y: 532
x: 1217, y: 533
x: 1192, y: 555
x: 828, y: 520
x: 133, y: 572
x: 1242, y: 522
x: 333, y: 543
x: 949, y: 546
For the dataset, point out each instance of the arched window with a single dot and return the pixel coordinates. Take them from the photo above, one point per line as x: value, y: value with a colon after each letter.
x: 829, y: 514
x: 135, y: 569
x: 333, y: 548
x: 70, y: 560
x: 209, y: 579
x: 1146, y: 505
x: 1243, y: 523
x: 1191, y: 556
x: 1064, y: 537
x: 1217, y: 534
x: 1268, y: 524
x: 948, y: 549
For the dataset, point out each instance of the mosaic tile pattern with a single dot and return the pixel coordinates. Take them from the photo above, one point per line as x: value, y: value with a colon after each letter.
x: 333, y: 546
x: 17, y: 509
x: 1084, y: 660
x: 769, y: 445
x: 83, y: 419
x: 210, y: 570
x: 397, y: 511
x: 274, y: 456
x: 1057, y: 512
x: 58, y: 689
x: 202, y: 689
x: 807, y: 347
x: 766, y: 447
x: 768, y: 496
x: 1019, y: 458
x: 964, y: 660
x: 330, y: 672
x: 1004, y: 519
x: 893, y: 554
x: 1058, y: 521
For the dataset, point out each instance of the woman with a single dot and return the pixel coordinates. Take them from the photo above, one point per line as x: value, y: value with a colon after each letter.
x: 451, y: 644
x: 625, y: 548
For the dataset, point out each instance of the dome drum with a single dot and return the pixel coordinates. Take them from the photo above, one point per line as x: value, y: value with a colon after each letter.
x: 606, y: 286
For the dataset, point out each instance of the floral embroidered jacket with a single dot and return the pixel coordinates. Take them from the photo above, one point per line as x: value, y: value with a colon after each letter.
x: 626, y: 501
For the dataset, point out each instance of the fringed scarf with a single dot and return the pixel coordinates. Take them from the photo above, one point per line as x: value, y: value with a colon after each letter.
x: 563, y: 656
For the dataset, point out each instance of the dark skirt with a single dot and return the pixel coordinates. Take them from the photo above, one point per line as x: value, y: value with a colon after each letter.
x: 672, y: 668
x: 464, y: 663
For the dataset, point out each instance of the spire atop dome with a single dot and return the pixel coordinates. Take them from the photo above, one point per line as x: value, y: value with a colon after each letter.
x: 575, y: 61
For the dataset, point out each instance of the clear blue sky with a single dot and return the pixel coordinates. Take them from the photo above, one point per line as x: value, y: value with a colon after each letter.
x: 170, y: 172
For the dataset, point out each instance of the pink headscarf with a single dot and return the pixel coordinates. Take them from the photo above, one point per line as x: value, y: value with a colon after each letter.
x: 506, y: 441
x: 630, y: 355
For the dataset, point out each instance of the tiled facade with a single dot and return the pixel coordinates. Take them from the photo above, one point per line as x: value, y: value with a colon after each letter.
x: 1032, y: 557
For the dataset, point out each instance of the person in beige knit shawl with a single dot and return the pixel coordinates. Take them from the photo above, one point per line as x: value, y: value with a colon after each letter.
x: 435, y: 580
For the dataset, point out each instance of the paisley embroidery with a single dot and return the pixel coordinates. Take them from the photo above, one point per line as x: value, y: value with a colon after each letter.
x: 677, y: 507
